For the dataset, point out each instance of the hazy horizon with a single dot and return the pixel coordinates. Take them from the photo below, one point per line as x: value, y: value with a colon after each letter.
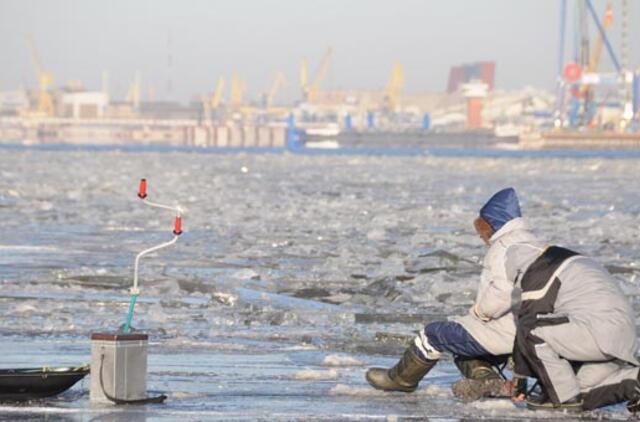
x: 78, y: 40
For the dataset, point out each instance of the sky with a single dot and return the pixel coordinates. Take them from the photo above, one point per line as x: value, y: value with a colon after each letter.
x: 205, y: 39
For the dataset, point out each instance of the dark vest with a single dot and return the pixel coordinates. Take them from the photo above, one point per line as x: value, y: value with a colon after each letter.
x: 539, y: 294
x: 537, y: 278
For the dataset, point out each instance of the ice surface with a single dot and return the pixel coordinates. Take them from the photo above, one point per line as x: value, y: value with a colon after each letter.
x: 291, y: 278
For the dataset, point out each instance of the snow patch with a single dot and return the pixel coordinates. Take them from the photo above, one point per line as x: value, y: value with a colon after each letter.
x: 27, y: 248
x: 435, y: 390
x: 24, y: 308
x: 225, y: 298
x: 311, y: 374
x: 494, y: 404
x: 346, y: 390
x: 340, y: 360
x: 246, y: 274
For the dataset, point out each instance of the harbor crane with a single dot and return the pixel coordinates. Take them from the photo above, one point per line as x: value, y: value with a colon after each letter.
x: 594, y: 63
x: 394, y: 87
x: 310, y: 90
x: 304, y: 77
x: 596, y: 53
x: 237, y: 91
x: 583, y: 80
x: 212, y: 102
x: 217, y: 94
x: 45, y: 80
x: 133, y: 95
x: 279, y: 81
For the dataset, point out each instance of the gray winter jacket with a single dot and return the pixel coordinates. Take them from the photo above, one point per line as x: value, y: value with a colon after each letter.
x: 588, y: 295
x: 491, y: 320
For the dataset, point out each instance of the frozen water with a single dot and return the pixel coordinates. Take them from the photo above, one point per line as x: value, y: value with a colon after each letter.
x: 294, y: 274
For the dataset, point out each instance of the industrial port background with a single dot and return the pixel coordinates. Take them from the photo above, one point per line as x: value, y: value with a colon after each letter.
x: 217, y: 73
x: 78, y: 40
x: 331, y: 157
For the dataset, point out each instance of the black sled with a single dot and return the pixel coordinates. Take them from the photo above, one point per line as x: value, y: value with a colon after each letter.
x: 35, y: 383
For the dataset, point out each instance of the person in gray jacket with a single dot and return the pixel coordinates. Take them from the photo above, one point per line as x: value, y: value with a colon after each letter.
x: 576, y: 331
x: 486, y: 334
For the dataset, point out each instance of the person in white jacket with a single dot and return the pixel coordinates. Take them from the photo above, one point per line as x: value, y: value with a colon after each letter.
x: 486, y: 334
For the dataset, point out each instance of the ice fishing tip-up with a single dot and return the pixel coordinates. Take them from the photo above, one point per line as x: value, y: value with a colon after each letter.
x: 177, y: 231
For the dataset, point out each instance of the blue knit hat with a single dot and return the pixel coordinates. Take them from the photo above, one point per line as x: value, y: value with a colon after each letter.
x: 501, y: 208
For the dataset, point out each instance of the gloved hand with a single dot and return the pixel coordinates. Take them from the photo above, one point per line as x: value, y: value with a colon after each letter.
x: 519, y: 388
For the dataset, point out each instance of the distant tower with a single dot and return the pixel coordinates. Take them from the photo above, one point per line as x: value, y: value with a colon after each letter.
x: 169, y: 66
x: 105, y: 84
x: 624, y: 36
x: 475, y: 93
x: 628, y: 112
x: 583, y: 34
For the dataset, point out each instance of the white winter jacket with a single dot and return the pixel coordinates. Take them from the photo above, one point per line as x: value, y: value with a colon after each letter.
x: 491, y: 320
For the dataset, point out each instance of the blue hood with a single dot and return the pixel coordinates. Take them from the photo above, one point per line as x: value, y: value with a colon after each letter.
x: 501, y: 208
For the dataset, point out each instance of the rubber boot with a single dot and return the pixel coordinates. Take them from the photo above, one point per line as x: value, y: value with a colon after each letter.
x: 633, y: 405
x: 480, y: 381
x: 404, y: 376
x: 476, y: 369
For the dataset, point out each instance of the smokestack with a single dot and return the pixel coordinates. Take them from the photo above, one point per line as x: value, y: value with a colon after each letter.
x: 475, y: 93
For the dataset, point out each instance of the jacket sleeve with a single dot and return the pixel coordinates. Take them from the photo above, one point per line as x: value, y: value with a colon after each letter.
x: 496, y: 299
x: 500, y: 292
x: 496, y: 293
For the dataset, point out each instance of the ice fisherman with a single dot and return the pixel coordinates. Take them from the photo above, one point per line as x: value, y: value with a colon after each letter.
x: 576, y: 332
x: 485, y: 336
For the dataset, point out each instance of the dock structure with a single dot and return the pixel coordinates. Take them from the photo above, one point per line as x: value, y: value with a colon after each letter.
x: 578, y: 140
x: 51, y: 130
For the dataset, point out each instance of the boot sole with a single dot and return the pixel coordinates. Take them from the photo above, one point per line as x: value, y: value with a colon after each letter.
x: 569, y: 409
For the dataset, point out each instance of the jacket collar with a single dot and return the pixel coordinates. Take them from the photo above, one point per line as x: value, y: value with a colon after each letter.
x: 516, y: 224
